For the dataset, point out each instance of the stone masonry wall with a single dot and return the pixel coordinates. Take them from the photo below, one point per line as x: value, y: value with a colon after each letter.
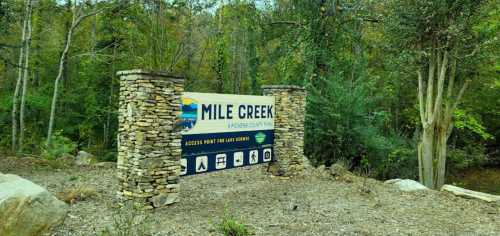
x: 149, y: 146
x: 290, y: 105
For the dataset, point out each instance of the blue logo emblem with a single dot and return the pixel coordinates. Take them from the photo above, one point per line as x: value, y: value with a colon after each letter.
x: 189, y: 113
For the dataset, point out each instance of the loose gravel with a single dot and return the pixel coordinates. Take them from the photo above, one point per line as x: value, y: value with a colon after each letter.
x: 314, y: 204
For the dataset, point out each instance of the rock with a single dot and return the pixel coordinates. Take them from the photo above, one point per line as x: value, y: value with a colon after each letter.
x: 275, y: 169
x: 462, y: 192
x: 106, y: 164
x: 84, y: 159
x: 67, y: 159
x: 164, y: 199
x: 27, y: 208
x: 322, y: 171
x: 337, y: 170
x: 406, y: 185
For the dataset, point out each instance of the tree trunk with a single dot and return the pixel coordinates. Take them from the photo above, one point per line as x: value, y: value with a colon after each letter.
x: 427, y: 157
x: 94, y: 30
x: 436, y: 115
x: 58, y: 78
x: 19, y: 78
x: 220, y: 65
x: 76, y: 19
x: 110, y: 101
x: 440, y: 157
x: 25, y: 79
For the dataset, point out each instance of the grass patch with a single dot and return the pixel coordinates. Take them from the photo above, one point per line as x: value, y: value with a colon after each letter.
x: 77, y: 193
x: 127, y: 221
x: 229, y: 226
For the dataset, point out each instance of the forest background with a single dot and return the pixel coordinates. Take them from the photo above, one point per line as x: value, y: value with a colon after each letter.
x: 355, y: 57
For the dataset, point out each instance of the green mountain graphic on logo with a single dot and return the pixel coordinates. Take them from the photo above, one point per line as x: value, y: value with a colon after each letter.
x: 260, y: 137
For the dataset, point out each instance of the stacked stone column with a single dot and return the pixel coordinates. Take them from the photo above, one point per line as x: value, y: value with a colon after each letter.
x: 149, y: 145
x: 290, y: 108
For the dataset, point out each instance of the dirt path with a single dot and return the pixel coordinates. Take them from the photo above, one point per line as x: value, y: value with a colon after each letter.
x: 312, y: 205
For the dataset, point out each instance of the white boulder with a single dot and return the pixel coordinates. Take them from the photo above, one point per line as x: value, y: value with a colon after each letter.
x: 26, y: 208
x: 84, y: 159
x: 407, y: 185
x: 106, y: 164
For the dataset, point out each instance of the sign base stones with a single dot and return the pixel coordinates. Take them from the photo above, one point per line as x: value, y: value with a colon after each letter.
x: 290, y: 102
x: 149, y: 147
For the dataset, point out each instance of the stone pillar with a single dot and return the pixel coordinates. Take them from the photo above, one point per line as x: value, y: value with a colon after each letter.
x: 290, y: 106
x: 149, y: 146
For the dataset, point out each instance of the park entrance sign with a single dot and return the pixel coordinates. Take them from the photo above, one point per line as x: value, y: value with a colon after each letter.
x: 223, y: 131
x: 165, y: 133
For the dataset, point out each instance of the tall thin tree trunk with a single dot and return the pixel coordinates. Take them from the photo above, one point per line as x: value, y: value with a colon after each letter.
x: 58, y: 78
x: 25, y: 79
x: 110, y: 101
x: 94, y: 32
x: 76, y: 19
x: 19, y: 78
x: 221, y: 60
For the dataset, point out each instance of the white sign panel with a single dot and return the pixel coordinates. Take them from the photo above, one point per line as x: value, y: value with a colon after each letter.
x: 218, y: 113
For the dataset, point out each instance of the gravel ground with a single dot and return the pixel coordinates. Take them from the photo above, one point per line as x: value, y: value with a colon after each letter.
x: 311, y: 205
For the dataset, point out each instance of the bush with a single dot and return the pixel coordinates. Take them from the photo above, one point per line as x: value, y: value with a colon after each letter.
x: 109, y: 156
x: 60, y: 146
x: 340, y: 125
x: 77, y: 193
x: 230, y: 227
x: 400, y: 163
x: 127, y: 221
x: 469, y: 156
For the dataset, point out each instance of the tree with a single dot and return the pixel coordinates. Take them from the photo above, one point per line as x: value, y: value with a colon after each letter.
x: 77, y: 17
x: 22, y: 76
x: 437, y: 38
x: 22, y: 128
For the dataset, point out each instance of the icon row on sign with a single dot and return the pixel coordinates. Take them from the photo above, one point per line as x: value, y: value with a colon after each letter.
x: 201, y: 162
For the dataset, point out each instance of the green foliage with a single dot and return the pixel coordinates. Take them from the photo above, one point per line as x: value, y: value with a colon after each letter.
x: 422, y: 25
x: 6, y: 15
x: 417, y: 31
x: 470, y: 156
x: 340, y: 126
x: 109, y: 156
x: 352, y: 56
x: 60, y: 146
x: 400, y: 163
x: 231, y: 227
x: 463, y: 120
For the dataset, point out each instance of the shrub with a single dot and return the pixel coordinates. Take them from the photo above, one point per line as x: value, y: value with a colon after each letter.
x: 109, y: 156
x: 60, y: 146
x: 401, y: 163
x: 340, y: 124
x: 127, y: 221
x: 468, y: 156
x: 77, y: 193
x: 230, y: 227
